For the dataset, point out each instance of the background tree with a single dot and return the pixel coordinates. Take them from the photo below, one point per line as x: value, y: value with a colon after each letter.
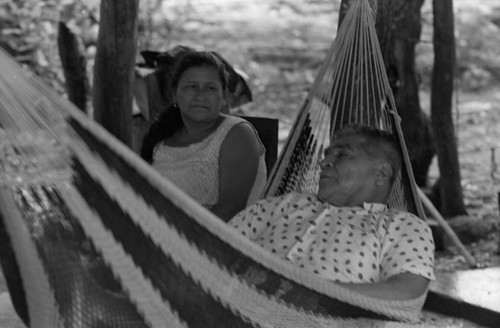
x: 450, y: 188
x: 400, y: 64
x: 74, y: 65
x: 114, y: 67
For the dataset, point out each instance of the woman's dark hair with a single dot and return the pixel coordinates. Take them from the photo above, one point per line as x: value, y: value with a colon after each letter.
x: 170, y: 120
x: 167, y: 122
x: 199, y: 59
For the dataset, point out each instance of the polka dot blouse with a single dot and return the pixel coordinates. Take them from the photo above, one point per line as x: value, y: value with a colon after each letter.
x: 343, y: 244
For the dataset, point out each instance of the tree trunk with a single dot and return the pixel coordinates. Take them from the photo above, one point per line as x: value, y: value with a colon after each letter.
x: 441, y: 109
x: 74, y: 63
x: 405, y: 85
x: 114, y: 67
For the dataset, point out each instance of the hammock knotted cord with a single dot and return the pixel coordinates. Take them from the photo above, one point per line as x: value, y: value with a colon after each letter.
x: 92, y: 236
x: 351, y: 87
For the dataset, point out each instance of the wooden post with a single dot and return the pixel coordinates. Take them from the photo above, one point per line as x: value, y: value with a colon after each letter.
x: 498, y: 197
x: 114, y: 67
x: 451, y: 195
x: 74, y: 65
x: 471, y: 261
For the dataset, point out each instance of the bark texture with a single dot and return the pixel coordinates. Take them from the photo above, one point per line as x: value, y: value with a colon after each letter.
x: 74, y: 63
x: 114, y: 67
x: 404, y: 79
x: 451, y: 197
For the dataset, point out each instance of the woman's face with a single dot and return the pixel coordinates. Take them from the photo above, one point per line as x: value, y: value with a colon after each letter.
x: 200, y: 94
x: 347, y: 173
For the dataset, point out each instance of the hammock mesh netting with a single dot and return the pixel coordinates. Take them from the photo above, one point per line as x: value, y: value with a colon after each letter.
x: 92, y: 236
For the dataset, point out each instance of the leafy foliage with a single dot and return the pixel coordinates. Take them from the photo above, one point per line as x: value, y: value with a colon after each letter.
x: 28, y: 31
x: 478, y: 50
x: 29, y: 28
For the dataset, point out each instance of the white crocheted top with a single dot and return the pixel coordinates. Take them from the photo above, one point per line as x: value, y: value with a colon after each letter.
x: 195, y: 168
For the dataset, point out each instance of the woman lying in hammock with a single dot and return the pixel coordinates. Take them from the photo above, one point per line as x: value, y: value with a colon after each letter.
x: 215, y: 158
x: 346, y: 233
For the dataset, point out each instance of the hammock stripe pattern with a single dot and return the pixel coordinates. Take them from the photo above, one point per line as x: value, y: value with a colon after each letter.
x: 101, y: 214
x: 86, y: 241
x: 92, y: 236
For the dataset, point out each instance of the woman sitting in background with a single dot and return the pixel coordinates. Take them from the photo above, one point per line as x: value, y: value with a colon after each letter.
x: 215, y: 158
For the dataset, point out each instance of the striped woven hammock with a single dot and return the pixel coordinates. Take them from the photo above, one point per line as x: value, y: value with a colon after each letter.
x: 92, y: 236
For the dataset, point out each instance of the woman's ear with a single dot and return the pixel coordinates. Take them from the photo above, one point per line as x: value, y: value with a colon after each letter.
x: 383, y: 173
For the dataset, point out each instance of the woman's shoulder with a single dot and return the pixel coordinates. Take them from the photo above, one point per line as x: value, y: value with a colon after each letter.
x: 403, y: 220
x: 232, y: 121
x: 238, y: 131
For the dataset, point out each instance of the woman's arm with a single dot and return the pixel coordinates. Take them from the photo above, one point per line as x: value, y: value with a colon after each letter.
x: 238, y: 165
x: 403, y: 286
